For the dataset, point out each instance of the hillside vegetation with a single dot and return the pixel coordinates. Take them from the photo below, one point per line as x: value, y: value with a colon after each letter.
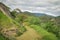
x: 47, y: 26
x: 28, y: 26
x: 9, y: 28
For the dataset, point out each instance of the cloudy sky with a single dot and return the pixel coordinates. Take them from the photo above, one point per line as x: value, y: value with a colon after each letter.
x: 50, y: 7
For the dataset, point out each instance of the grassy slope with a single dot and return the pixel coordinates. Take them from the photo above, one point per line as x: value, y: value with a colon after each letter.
x: 7, y: 22
x: 46, y: 35
x: 3, y: 23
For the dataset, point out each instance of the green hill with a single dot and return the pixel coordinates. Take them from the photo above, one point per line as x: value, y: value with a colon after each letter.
x: 17, y: 25
x: 9, y: 28
x: 44, y: 25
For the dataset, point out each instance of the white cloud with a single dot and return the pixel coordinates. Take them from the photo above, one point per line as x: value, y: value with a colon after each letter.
x: 51, y: 7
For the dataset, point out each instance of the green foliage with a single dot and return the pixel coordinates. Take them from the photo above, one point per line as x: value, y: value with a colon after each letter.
x: 46, y: 35
x: 32, y: 20
x: 7, y: 22
x: 23, y: 29
x: 49, y: 24
x: 4, y: 21
x: 51, y: 27
x: 3, y: 38
x: 14, y: 13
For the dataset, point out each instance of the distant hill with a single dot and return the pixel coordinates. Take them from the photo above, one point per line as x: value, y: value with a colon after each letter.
x: 36, y: 14
x: 33, y: 14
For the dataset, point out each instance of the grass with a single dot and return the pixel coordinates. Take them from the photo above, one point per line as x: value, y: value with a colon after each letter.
x: 46, y: 35
x: 3, y: 38
x: 7, y: 22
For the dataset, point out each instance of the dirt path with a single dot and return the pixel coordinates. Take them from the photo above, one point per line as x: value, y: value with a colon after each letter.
x: 30, y: 34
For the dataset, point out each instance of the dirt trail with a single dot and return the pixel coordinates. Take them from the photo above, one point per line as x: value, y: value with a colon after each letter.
x: 30, y: 34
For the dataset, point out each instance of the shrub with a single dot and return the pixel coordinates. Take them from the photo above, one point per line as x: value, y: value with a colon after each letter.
x: 46, y: 35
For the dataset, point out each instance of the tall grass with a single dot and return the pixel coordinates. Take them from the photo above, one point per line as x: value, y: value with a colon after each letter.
x: 45, y: 35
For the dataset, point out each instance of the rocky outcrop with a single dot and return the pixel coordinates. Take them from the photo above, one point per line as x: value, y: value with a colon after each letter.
x: 5, y: 9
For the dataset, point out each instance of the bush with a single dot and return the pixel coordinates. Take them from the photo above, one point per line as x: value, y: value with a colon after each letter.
x: 46, y: 35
